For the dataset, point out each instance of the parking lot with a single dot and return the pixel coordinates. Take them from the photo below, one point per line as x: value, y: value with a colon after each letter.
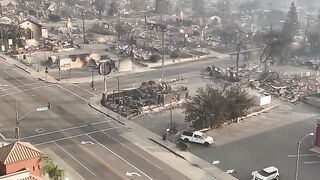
x: 269, y: 139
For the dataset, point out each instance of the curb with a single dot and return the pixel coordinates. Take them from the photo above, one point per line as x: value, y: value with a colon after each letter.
x: 90, y: 105
x: 23, y: 69
x: 170, y: 150
x: 307, y: 102
x: 181, y: 62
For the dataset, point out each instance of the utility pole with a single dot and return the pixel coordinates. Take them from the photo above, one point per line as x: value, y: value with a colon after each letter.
x: 92, y: 81
x: 17, y: 128
x: 162, y: 73
x: 2, y: 40
x: 83, y: 28
x: 0, y: 9
x: 59, y: 73
x: 307, y: 27
x: 171, y: 118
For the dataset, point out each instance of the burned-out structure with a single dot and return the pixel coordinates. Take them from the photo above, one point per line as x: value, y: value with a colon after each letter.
x: 285, y: 85
x: 150, y: 96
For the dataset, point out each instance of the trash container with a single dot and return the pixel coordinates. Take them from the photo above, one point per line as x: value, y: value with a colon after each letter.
x: 164, y: 136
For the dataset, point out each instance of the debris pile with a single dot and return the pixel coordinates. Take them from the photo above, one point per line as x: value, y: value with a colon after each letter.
x: 148, y: 97
x: 287, y: 87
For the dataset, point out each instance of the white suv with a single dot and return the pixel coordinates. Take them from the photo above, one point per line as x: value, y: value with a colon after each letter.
x: 269, y: 173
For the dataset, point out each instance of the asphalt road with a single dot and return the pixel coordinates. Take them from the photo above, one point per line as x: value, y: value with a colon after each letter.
x: 170, y: 72
x: 276, y: 147
x: 69, y: 123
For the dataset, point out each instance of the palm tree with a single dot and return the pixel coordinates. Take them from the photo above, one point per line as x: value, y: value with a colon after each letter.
x: 53, y: 170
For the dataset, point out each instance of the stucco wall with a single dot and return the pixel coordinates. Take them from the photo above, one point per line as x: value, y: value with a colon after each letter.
x: 2, y: 169
x: 31, y: 164
x: 36, y: 29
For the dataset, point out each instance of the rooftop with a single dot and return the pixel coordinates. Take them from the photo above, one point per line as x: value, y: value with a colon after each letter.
x: 18, y: 151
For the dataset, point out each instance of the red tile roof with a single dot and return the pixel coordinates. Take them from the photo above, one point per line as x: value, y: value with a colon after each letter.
x: 31, y: 178
x: 18, y: 151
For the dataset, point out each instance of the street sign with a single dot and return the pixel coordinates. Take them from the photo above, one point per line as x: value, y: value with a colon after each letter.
x: 41, y: 109
x: 104, y: 68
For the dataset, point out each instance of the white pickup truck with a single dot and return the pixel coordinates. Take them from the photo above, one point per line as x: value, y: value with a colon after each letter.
x: 197, y: 137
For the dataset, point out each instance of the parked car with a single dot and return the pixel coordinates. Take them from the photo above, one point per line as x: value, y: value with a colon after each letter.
x: 197, y: 137
x: 269, y: 173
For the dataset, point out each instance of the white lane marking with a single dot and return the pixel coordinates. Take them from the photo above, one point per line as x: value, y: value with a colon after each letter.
x: 73, y: 93
x: 66, y: 129
x: 17, y: 87
x: 82, y: 134
x: 312, y: 162
x: 301, y: 155
x: 102, y: 122
x: 230, y: 171
x: 75, y: 159
x: 131, y: 150
x: 120, y: 157
x: 14, y: 77
x: 86, y: 142
x: 86, y: 90
x: 8, y: 94
x: 132, y: 173
x: 216, y: 162
x: 53, y: 132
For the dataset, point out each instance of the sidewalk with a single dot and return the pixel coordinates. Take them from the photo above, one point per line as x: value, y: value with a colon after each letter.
x: 184, y: 162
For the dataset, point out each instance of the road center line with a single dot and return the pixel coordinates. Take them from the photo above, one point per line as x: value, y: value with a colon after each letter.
x: 301, y: 155
x: 66, y: 129
x: 27, y: 90
x: 102, y: 122
x: 52, y: 132
x: 86, y: 90
x: 82, y: 134
x: 312, y: 162
x: 73, y: 93
x: 131, y: 150
x: 17, y: 87
x: 75, y: 159
x: 120, y: 157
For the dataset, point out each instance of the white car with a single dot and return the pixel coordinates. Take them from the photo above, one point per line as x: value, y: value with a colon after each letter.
x: 269, y: 173
x: 197, y: 137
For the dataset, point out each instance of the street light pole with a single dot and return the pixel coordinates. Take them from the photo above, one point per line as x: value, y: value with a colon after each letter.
x: 105, y: 84
x: 18, y: 118
x: 298, y: 154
